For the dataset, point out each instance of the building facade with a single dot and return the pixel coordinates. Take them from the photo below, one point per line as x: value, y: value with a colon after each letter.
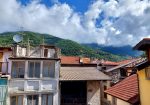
x: 82, y: 84
x: 144, y: 72
x: 34, y: 76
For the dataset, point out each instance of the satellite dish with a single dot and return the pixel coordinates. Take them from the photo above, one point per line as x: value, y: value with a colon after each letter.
x: 17, y: 38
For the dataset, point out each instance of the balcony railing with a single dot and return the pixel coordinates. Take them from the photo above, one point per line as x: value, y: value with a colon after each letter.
x: 3, y: 67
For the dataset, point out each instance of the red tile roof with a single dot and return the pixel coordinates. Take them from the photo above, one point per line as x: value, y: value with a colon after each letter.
x: 70, y: 60
x: 125, y: 61
x: 126, y: 90
x: 110, y: 63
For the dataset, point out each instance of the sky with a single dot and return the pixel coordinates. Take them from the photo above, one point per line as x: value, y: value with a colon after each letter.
x: 107, y: 22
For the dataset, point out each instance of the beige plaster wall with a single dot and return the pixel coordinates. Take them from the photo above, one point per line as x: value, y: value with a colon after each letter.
x: 93, y: 93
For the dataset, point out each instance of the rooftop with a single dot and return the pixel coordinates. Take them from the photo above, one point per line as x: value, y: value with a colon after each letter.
x: 110, y: 63
x: 126, y: 63
x: 6, y: 48
x: 70, y: 60
x: 143, y: 44
x: 81, y: 74
x: 126, y: 90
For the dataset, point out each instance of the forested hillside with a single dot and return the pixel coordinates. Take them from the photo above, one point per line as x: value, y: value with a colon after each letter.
x: 68, y: 47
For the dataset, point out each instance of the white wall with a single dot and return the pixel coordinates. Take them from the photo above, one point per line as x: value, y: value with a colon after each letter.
x: 37, y: 86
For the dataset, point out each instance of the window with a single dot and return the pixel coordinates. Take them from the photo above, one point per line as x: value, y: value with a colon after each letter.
x: 47, y: 99
x: 34, y: 69
x: 18, y: 68
x: 32, y: 100
x: 114, y: 101
x: 49, y: 69
x: 123, y: 72
x: 45, y: 52
x: 147, y: 72
x: 105, y: 94
x: 16, y: 100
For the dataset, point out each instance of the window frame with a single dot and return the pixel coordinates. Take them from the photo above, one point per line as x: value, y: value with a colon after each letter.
x: 49, y: 63
x: 33, y: 98
x: 46, y: 50
x: 17, y: 99
x: 18, y: 69
x: 34, y: 69
x: 47, y: 95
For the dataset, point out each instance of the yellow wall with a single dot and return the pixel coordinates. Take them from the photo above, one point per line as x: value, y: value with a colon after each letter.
x: 118, y: 101
x: 144, y: 88
x: 121, y: 102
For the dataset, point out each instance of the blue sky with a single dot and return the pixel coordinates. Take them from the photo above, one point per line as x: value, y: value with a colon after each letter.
x: 107, y: 22
x: 78, y: 5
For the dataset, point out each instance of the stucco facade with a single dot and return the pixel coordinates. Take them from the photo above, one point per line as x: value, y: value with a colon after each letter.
x: 144, y: 86
x: 93, y: 93
x: 116, y: 101
x: 34, y: 76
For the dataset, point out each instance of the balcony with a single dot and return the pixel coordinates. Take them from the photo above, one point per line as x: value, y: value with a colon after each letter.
x: 3, y: 68
x: 32, y: 85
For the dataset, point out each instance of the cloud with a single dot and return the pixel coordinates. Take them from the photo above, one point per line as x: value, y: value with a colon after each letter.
x: 125, y: 22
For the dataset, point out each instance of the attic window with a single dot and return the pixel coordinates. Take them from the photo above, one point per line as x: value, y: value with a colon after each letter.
x: 147, y: 72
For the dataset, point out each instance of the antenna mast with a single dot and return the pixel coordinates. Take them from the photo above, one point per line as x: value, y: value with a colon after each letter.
x: 43, y: 40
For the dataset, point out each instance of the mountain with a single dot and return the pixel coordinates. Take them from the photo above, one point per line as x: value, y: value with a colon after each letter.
x: 123, y: 50
x: 68, y: 47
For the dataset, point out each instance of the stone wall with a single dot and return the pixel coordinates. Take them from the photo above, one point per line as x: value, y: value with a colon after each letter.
x: 93, y: 93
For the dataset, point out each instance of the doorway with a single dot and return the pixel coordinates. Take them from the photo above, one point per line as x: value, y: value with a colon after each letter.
x: 74, y: 93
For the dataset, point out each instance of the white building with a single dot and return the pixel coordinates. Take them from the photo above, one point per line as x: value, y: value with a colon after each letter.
x: 34, y: 76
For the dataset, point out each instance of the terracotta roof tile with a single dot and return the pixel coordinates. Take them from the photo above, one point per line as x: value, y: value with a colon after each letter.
x: 70, y: 60
x: 125, y: 61
x: 110, y: 63
x: 126, y: 90
x: 132, y: 63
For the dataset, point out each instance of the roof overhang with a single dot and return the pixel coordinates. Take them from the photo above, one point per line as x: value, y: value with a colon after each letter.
x: 143, y: 44
x: 82, y: 74
x: 30, y: 58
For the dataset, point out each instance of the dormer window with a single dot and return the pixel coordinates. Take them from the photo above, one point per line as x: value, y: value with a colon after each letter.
x: 147, y: 72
